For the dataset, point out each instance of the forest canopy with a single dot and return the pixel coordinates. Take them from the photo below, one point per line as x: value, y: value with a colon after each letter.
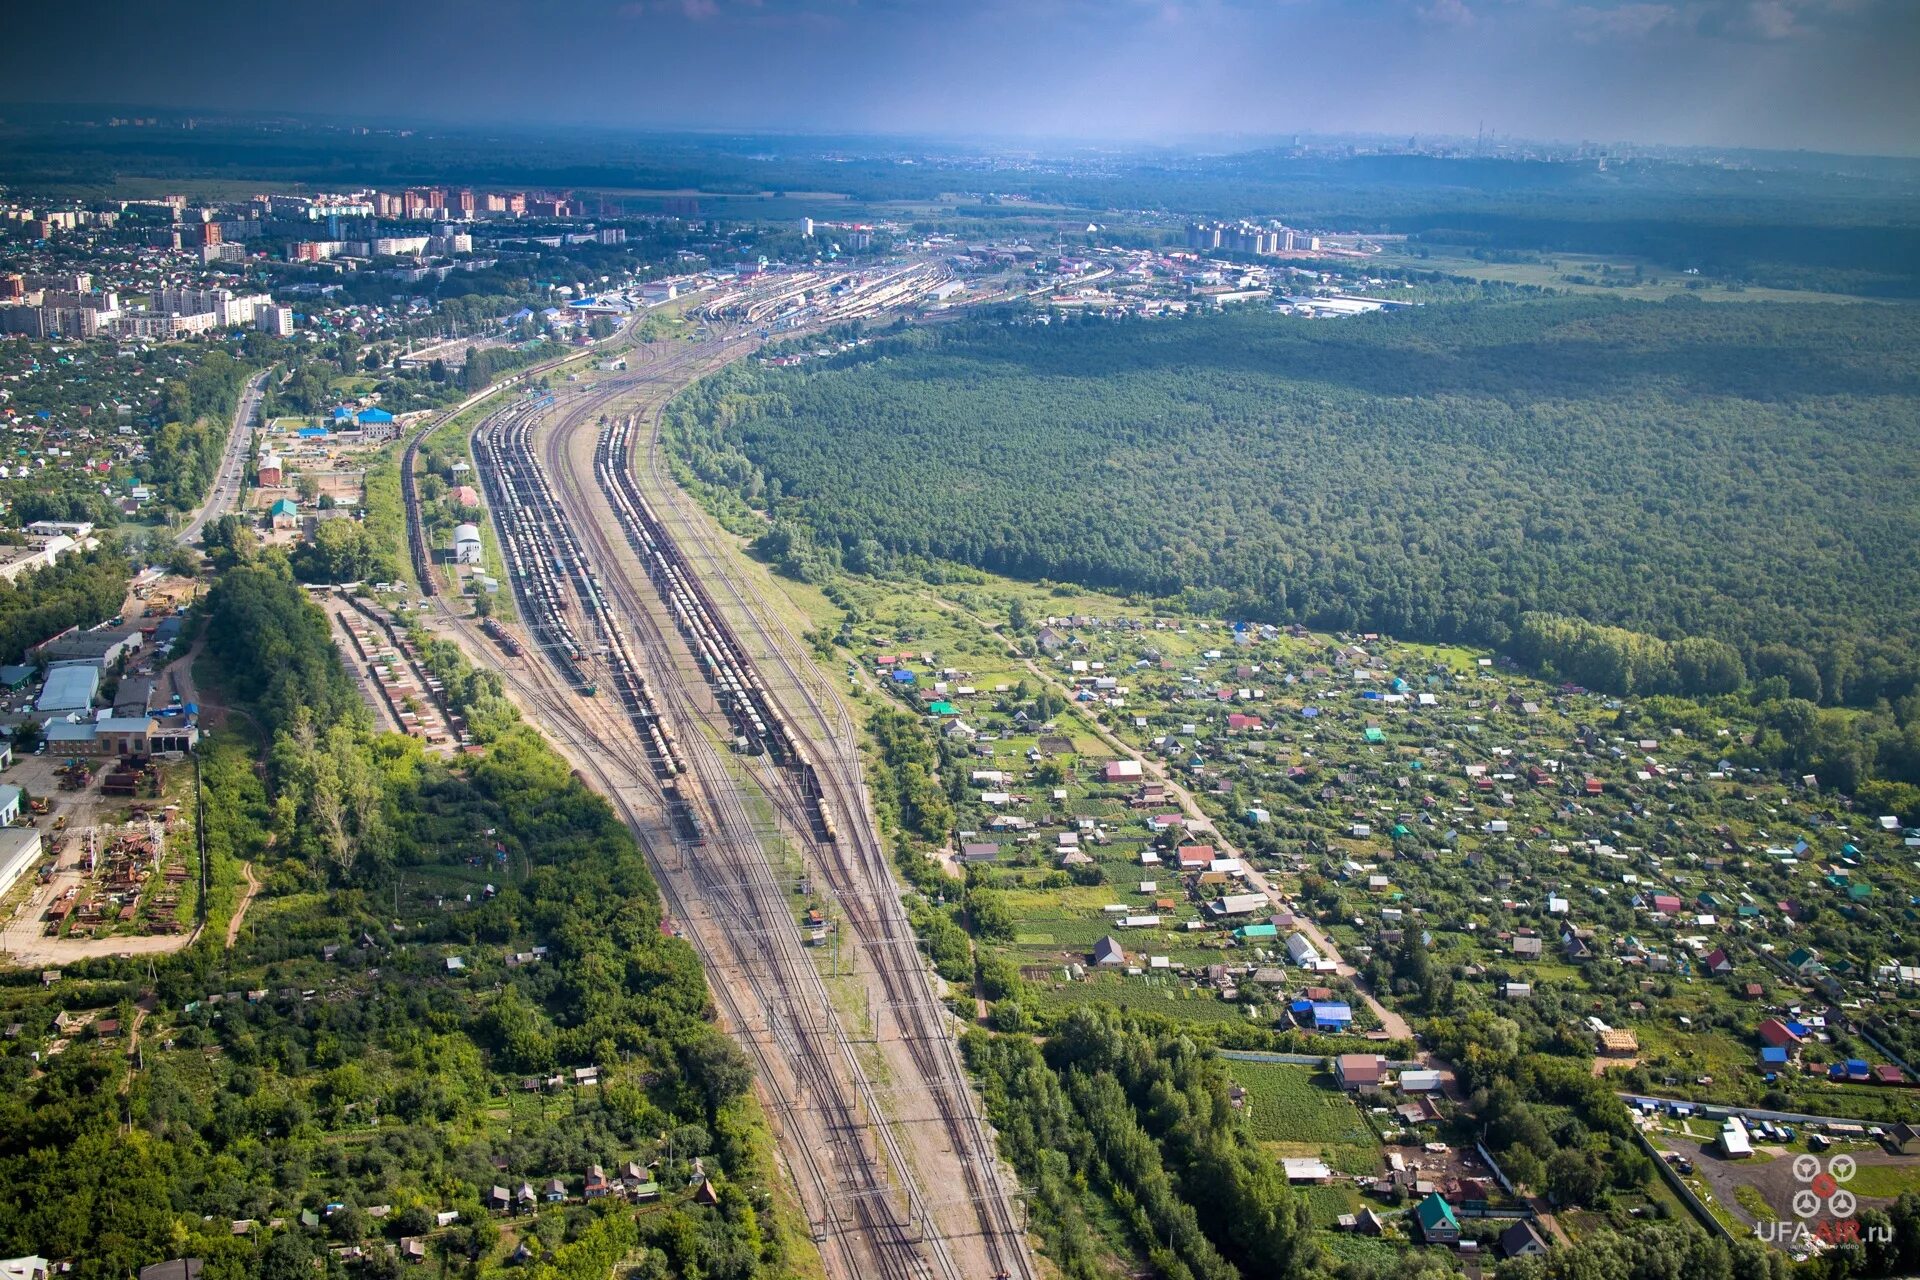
x: 1681, y: 470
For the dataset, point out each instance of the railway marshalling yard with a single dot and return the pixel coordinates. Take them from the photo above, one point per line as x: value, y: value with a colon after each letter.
x: 768, y: 858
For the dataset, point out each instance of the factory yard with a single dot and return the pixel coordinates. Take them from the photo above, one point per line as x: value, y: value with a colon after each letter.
x: 122, y: 876
x: 1768, y: 1190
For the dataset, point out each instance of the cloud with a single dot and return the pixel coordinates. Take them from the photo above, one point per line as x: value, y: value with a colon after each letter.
x: 1626, y: 21
x: 1773, y: 19
x: 691, y: 10
x: 1447, y: 13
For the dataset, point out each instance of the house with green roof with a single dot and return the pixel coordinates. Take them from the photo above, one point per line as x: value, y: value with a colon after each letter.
x: 1437, y: 1223
x: 1804, y: 960
x: 283, y: 514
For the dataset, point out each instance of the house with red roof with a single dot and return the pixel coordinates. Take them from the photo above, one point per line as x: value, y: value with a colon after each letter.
x: 1196, y: 857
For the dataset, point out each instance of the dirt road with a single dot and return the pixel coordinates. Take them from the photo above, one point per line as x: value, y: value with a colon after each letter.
x: 246, y: 900
x: 1392, y: 1023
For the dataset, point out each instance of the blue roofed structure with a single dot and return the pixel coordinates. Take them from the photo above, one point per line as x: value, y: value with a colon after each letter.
x: 1332, y: 1015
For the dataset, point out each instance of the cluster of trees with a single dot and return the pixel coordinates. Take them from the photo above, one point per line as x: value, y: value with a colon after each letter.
x: 1615, y: 660
x: 74, y: 591
x: 919, y: 803
x: 343, y: 550
x: 197, y: 411
x: 1140, y: 1115
x: 485, y: 364
x: 242, y: 1116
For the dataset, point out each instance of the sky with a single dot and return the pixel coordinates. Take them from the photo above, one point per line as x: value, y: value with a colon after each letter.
x: 1834, y: 75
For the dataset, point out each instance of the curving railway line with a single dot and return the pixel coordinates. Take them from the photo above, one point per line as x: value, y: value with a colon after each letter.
x: 654, y: 603
x: 802, y: 1044
x: 830, y: 778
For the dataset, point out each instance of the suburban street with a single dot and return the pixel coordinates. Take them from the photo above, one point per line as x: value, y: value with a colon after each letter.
x: 231, y: 476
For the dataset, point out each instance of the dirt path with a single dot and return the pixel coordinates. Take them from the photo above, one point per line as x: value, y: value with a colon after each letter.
x: 1392, y: 1023
x: 246, y: 900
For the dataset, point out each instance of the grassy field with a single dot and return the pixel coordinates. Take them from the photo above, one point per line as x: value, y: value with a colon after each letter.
x: 1162, y: 996
x: 1582, y: 273
x: 1299, y: 1105
x: 1887, y: 1181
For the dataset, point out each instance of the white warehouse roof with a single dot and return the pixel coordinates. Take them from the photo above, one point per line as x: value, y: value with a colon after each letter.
x: 69, y: 689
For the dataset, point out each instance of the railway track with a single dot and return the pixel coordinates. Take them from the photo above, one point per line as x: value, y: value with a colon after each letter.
x: 733, y: 877
x: 868, y: 1242
x: 806, y: 762
x: 813, y: 793
x: 831, y: 779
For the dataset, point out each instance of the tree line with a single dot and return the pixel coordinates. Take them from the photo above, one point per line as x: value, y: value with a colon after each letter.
x: 1641, y: 497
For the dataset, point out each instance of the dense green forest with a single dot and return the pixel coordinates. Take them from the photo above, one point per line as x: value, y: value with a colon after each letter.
x: 400, y: 1082
x: 1736, y: 474
x: 74, y: 591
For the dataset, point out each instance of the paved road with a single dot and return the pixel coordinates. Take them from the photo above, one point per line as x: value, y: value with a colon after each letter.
x: 231, y: 476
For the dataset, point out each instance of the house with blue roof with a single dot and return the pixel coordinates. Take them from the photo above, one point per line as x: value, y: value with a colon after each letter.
x: 373, y: 417
x: 1773, y: 1056
x: 1329, y: 1015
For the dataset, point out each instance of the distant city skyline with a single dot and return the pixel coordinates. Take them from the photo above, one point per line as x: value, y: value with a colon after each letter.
x: 1830, y: 75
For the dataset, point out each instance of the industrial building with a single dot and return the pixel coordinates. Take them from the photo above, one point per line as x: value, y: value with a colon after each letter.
x: 69, y: 688
x: 19, y: 850
x: 466, y: 544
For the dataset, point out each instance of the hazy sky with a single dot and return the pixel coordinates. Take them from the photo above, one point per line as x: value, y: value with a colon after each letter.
x: 1828, y: 74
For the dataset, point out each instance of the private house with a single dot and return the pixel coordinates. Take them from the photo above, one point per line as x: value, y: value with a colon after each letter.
x: 1306, y: 1170
x: 1804, y: 961
x: 1108, y: 952
x: 1781, y: 1035
x: 1615, y: 1043
x: 283, y: 514
x: 1195, y: 857
x: 1521, y: 1240
x: 1717, y: 962
x: 1359, y: 1072
x: 1438, y: 1225
x: 1332, y: 1015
